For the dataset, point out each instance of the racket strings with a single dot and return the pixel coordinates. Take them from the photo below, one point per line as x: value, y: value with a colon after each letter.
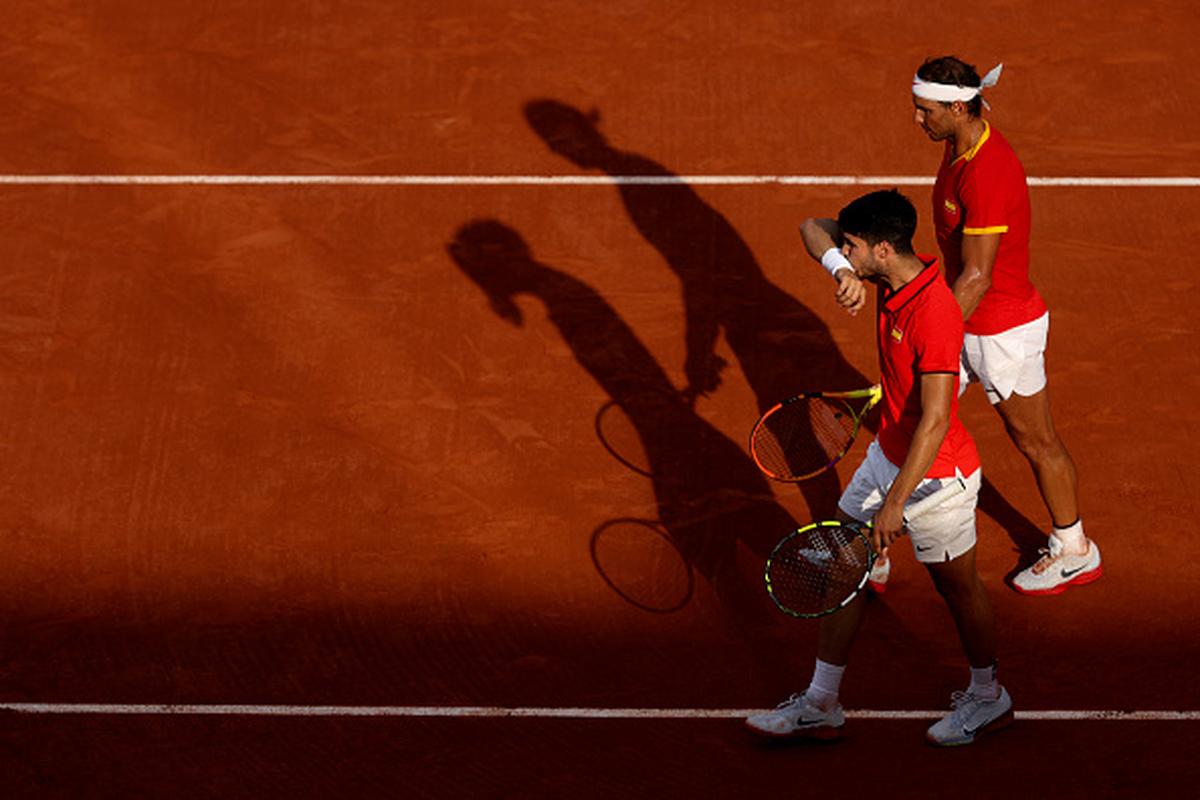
x: 815, y: 570
x: 803, y: 437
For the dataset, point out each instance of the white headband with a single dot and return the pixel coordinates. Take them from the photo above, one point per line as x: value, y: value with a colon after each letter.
x: 948, y: 92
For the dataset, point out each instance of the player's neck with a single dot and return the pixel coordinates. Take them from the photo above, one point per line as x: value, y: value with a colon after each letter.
x: 903, y: 270
x: 968, y: 135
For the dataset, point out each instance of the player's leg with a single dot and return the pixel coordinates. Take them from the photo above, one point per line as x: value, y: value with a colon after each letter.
x: 816, y: 713
x: 837, y: 634
x: 1011, y: 367
x: 958, y: 582
x: 985, y: 705
x: 1031, y: 428
x: 944, y: 541
x: 1070, y: 558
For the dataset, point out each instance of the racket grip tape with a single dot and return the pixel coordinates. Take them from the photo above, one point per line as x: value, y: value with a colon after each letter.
x: 954, y: 487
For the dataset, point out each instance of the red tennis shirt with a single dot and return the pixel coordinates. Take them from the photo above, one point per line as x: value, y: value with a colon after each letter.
x: 984, y: 191
x: 920, y: 331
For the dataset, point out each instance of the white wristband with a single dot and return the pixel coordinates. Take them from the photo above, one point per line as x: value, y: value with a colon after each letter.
x: 833, y: 260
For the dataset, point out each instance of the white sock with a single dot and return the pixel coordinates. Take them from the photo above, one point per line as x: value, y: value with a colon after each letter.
x: 1072, y: 537
x: 823, y: 690
x: 984, y: 683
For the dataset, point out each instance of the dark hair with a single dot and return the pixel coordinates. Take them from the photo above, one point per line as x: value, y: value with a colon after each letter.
x: 956, y: 72
x: 883, y: 216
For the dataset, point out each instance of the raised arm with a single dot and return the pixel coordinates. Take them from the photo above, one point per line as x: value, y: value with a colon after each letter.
x: 823, y: 240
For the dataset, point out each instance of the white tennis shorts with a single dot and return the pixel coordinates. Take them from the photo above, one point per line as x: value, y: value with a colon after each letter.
x: 1007, y: 362
x: 941, y: 534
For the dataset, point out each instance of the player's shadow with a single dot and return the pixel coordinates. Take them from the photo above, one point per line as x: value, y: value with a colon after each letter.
x: 709, y: 493
x: 1026, y: 536
x: 781, y: 346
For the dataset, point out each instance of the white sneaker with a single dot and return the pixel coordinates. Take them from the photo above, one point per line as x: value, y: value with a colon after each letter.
x: 969, y: 717
x: 796, y: 717
x: 880, y: 570
x: 1057, y: 570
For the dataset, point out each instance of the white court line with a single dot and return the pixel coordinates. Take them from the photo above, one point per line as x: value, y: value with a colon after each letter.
x: 539, y: 713
x: 558, y: 180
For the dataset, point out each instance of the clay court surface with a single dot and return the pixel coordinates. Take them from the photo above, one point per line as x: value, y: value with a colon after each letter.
x: 335, y: 445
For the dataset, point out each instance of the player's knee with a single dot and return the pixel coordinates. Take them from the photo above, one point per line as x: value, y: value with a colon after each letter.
x: 1037, y: 445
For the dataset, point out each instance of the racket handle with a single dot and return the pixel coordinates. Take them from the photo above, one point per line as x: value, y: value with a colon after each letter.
x: 954, y: 487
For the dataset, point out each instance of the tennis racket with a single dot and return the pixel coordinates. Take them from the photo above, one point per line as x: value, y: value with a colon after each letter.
x: 817, y: 569
x: 808, y: 433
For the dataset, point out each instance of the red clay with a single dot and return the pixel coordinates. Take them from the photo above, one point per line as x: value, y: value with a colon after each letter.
x: 283, y: 445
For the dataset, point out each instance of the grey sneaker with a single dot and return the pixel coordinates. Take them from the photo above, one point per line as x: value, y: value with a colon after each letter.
x: 1057, y: 570
x: 970, y: 716
x: 796, y: 717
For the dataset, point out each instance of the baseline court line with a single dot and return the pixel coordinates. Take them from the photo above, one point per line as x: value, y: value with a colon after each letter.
x: 559, y: 180
x: 112, y: 709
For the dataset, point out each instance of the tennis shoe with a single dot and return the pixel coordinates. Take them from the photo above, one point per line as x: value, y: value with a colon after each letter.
x: 880, y: 570
x: 1056, y: 571
x: 970, y: 716
x: 798, y: 718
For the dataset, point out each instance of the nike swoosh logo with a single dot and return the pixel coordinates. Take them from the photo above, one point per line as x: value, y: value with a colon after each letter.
x: 924, y: 549
x: 1066, y: 573
x: 977, y: 728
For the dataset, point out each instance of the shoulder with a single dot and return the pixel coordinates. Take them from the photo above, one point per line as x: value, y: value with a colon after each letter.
x: 939, y: 311
x: 998, y: 157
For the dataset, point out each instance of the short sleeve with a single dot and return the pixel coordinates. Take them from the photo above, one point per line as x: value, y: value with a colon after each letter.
x: 937, y: 337
x: 987, y: 195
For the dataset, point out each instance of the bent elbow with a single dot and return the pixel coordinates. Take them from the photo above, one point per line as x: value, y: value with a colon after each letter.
x: 980, y: 279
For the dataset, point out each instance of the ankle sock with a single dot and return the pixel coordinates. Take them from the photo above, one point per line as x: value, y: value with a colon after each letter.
x: 1072, y: 537
x: 826, y: 681
x: 984, y: 683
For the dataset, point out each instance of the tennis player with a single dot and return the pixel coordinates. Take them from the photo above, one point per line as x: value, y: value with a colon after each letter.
x: 921, y: 442
x: 982, y: 216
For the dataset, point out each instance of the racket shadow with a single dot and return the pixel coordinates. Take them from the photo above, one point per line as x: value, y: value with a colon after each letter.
x: 640, y: 561
x: 621, y: 439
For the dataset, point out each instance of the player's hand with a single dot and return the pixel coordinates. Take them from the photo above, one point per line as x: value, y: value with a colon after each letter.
x: 703, y: 374
x: 887, y: 526
x: 851, y: 292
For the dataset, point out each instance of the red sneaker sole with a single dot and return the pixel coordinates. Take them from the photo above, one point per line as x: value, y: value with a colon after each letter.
x: 999, y: 723
x: 1078, y: 580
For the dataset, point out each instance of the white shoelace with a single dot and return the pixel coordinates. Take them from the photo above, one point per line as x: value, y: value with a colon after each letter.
x: 1048, y: 555
x: 795, y: 698
x: 961, y: 701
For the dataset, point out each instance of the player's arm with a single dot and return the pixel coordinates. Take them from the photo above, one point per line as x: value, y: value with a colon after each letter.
x: 702, y: 365
x: 978, y: 256
x: 937, y: 392
x: 823, y: 241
